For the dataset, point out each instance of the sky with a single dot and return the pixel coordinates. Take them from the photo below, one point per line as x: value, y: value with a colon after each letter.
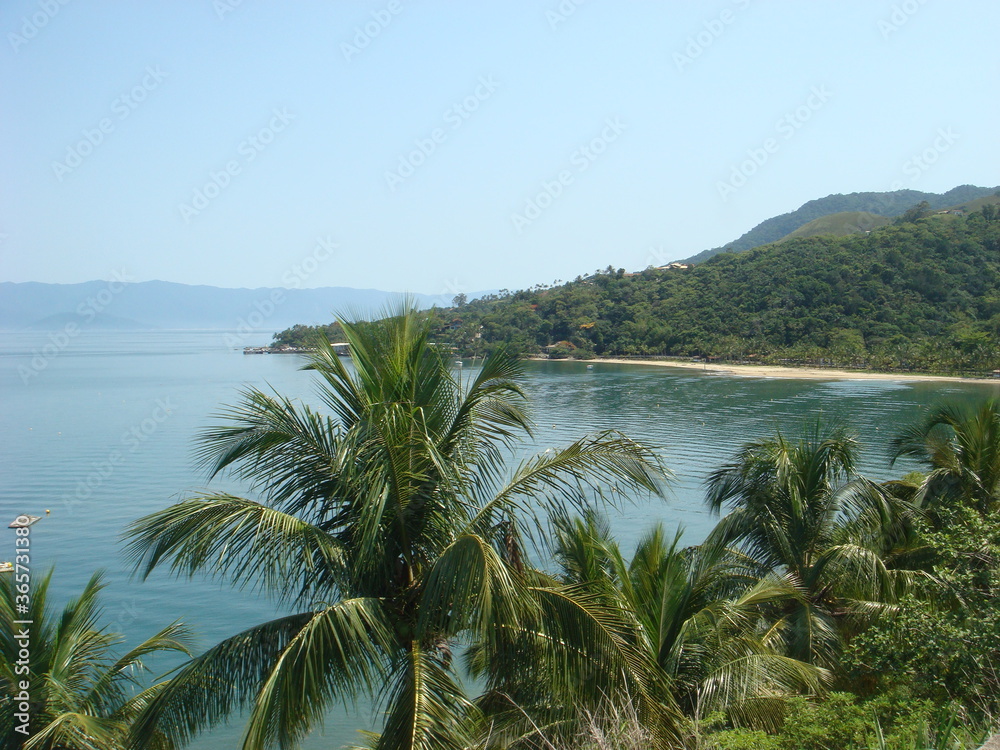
x: 446, y: 147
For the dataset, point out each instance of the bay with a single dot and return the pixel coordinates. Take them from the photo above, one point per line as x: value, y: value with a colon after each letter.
x: 99, y: 432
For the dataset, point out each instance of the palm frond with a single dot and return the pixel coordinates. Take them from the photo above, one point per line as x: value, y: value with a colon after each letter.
x: 107, y: 692
x: 82, y: 695
x: 427, y: 709
x: 79, y: 731
x: 341, y: 649
x: 961, y: 447
x: 607, y: 465
x: 299, y: 661
x: 591, y: 651
x: 747, y: 675
x: 242, y: 540
x: 470, y: 588
x: 276, y: 446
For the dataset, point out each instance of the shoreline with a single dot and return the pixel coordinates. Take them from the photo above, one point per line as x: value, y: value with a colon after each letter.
x: 790, y: 373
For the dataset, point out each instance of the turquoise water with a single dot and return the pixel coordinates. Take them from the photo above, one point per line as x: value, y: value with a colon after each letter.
x: 99, y: 432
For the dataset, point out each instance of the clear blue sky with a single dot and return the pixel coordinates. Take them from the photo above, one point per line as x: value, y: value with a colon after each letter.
x: 447, y: 146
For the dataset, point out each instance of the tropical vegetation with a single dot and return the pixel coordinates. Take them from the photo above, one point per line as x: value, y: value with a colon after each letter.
x: 81, y: 696
x: 798, y: 509
x: 479, y: 605
x: 890, y: 205
x: 701, y: 614
x: 920, y: 295
x: 401, y: 544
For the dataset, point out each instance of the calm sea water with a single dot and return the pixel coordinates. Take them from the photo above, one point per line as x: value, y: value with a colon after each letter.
x: 100, y: 431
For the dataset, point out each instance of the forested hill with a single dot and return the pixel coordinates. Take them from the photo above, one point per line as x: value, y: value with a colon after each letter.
x: 923, y: 294
x: 889, y: 204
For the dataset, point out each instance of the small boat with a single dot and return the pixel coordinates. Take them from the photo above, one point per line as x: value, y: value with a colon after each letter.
x: 458, y: 363
x: 24, y: 521
x: 590, y: 367
x: 6, y: 567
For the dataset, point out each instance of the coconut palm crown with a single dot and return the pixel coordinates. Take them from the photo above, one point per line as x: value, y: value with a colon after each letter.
x: 799, y: 508
x: 701, y: 613
x: 393, y: 533
x: 960, y: 448
x: 81, y: 695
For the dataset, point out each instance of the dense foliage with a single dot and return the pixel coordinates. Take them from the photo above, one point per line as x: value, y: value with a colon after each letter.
x: 919, y: 295
x: 309, y: 337
x: 65, y: 687
x: 396, y: 533
x: 888, y: 204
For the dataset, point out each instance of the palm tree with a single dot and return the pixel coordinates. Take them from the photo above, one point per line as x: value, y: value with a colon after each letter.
x: 393, y: 531
x: 80, y: 697
x: 800, y: 510
x: 960, y: 447
x: 701, y: 614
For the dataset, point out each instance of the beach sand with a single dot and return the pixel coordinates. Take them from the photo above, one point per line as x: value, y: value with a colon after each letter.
x: 794, y: 373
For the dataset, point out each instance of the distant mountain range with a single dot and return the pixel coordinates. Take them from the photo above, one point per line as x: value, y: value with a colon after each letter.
x: 888, y: 205
x: 120, y: 305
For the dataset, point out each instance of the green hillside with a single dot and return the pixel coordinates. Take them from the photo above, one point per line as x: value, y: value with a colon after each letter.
x: 890, y: 204
x: 840, y: 224
x: 976, y: 204
x: 916, y: 295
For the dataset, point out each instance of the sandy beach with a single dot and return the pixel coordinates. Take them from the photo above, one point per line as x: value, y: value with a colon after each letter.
x: 800, y: 373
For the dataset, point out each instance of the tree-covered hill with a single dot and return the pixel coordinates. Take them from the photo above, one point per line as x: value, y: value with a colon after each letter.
x: 839, y: 224
x: 888, y: 204
x: 921, y: 294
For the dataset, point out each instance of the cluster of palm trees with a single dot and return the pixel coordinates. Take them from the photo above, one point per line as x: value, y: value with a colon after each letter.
x: 484, y: 607
x: 81, y: 695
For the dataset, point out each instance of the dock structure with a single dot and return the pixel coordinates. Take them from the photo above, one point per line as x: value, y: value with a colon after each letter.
x: 24, y: 521
x: 339, y: 348
x: 283, y: 349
